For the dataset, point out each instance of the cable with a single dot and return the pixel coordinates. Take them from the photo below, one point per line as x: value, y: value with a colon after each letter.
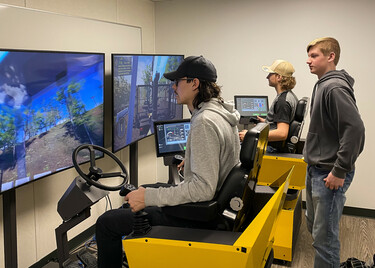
x: 180, y: 174
x: 108, y: 201
x: 106, y: 204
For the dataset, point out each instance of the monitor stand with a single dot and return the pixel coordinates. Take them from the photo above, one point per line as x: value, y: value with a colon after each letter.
x: 10, y: 229
x: 246, y: 120
x: 171, y: 161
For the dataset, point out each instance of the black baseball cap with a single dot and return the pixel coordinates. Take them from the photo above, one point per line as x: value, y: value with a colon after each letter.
x: 194, y: 67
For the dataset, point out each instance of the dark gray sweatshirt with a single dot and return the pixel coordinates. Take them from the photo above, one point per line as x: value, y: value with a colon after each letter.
x: 212, y: 150
x: 336, y: 134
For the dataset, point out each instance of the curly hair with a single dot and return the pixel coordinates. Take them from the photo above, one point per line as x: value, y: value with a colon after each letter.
x: 207, y: 91
x: 288, y: 83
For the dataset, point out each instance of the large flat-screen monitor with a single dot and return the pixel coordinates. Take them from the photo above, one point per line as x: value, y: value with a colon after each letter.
x: 50, y: 103
x: 171, y: 136
x: 141, y: 95
x: 252, y: 106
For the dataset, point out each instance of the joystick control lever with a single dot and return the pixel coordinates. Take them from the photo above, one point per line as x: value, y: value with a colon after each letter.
x: 254, y: 119
x: 127, y: 188
x: 141, y: 224
x: 177, y: 159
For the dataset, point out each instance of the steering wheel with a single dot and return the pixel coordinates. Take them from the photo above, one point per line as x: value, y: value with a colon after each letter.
x: 95, y: 173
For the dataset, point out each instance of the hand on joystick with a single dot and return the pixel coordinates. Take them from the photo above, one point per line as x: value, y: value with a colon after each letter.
x: 135, y: 197
x: 136, y: 201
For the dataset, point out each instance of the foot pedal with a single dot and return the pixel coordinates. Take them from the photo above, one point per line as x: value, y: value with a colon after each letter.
x: 88, y: 260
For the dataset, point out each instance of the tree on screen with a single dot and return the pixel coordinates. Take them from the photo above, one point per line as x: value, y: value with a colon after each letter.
x: 76, y: 108
x: 7, y: 131
x: 52, y: 115
x: 147, y: 75
x: 121, y: 94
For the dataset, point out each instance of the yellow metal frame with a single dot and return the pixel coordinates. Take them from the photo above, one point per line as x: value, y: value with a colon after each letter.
x: 274, y: 166
x: 286, y: 228
x: 251, y: 249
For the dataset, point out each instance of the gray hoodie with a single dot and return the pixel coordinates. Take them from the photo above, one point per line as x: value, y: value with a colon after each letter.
x: 212, y: 150
x: 336, y: 133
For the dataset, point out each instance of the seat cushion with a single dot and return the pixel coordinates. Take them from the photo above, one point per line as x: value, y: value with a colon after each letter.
x: 199, y: 211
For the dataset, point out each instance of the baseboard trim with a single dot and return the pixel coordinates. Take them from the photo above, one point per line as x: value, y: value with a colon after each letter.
x: 361, y: 212
x: 353, y: 211
x: 72, y: 244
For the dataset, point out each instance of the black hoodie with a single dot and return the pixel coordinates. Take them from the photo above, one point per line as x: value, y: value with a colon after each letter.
x: 336, y: 134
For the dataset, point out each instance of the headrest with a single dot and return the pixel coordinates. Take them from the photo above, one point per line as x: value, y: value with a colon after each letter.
x: 248, y: 150
x: 301, y: 109
x: 253, y: 143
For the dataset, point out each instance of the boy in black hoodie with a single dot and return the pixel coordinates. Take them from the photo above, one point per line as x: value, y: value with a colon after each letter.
x: 335, y: 139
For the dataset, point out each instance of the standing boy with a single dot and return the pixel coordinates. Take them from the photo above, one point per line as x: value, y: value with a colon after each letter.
x: 335, y: 139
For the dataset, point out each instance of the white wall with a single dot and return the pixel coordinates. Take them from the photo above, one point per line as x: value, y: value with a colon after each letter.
x: 36, y: 202
x: 242, y: 35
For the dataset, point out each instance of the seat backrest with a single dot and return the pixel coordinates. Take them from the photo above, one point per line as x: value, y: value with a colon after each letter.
x: 236, y: 196
x: 251, y: 157
x: 238, y: 179
x: 295, y: 127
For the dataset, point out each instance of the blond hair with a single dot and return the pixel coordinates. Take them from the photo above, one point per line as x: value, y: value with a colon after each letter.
x: 326, y: 46
x: 288, y: 83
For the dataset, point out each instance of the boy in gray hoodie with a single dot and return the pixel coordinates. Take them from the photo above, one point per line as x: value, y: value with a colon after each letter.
x: 335, y: 139
x: 212, y: 150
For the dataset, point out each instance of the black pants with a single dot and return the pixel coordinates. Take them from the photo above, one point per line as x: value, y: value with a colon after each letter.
x: 113, y: 224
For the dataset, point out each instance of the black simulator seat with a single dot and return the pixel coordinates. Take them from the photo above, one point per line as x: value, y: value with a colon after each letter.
x: 231, y: 208
x: 295, y: 127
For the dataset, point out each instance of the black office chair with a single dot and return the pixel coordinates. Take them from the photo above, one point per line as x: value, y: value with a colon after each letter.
x: 295, y: 128
x: 231, y: 208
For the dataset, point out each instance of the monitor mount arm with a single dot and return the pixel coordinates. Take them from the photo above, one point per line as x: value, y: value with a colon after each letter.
x: 172, y: 161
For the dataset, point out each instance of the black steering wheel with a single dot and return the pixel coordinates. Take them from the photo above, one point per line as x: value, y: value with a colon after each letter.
x: 95, y: 173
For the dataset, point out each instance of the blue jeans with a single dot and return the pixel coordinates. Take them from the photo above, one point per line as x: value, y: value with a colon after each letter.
x: 323, y: 212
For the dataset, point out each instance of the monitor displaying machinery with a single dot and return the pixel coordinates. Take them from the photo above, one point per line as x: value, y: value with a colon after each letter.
x: 50, y: 103
x: 252, y: 106
x: 171, y: 136
x: 141, y: 95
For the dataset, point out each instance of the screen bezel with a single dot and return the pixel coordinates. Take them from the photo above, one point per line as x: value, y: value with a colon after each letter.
x: 113, y: 96
x: 239, y: 97
x: 167, y: 122
x: 15, y: 186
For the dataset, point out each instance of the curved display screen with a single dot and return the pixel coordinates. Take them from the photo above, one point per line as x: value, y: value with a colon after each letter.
x: 50, y: 103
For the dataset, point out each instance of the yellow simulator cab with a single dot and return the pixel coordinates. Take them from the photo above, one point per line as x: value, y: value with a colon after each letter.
x: 273, y: 166
x: 243, y: 235
x: 165, y: 247
x: 290, y: 217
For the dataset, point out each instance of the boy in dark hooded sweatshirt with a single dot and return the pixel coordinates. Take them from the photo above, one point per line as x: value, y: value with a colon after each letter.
x: 335, y: 139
